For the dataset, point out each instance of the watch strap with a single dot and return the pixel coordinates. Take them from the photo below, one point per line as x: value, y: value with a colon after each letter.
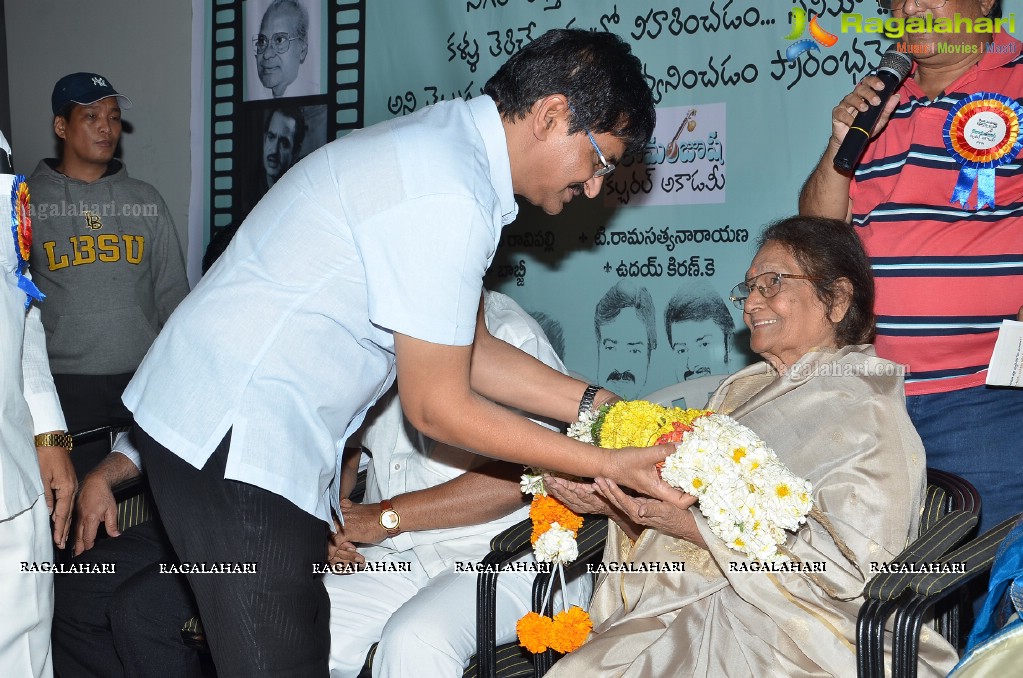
x: 586, y: 402
x: 54, y: 440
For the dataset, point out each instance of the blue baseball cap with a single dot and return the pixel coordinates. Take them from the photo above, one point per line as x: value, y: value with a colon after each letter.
x: 84, y: 89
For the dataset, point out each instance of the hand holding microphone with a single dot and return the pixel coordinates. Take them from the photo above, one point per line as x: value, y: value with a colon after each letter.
x: 892, y: 70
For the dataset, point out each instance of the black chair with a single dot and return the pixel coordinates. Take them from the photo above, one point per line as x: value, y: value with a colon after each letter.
x: 951, y: 512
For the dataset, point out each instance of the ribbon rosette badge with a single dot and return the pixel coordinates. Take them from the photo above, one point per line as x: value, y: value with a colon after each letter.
x: 981, y: 133
x: 21, y: 227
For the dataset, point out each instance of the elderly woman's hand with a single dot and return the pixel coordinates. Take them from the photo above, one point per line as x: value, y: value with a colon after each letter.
x: 670, y: 516
x: 579, y: 496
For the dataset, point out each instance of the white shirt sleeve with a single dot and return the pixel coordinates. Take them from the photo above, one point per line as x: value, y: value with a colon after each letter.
x: 122, y: 444
x: 40, y: 393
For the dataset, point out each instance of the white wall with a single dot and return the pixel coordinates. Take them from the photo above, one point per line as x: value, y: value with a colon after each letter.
x: 143, y: 46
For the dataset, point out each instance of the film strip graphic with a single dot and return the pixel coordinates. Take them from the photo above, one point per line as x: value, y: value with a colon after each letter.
x: 346, y: 67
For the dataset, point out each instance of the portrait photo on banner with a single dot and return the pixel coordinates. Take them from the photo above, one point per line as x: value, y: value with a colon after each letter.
x: 286, y: 44
x: 275, y: 135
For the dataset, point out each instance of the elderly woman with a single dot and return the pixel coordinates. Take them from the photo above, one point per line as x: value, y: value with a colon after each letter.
x: 835, y: 414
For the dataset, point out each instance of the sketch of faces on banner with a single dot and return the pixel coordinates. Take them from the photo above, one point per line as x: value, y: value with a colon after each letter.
x: 700, y: 332
x: 285, y: 43
x: 624, y: 321
x: 281, y: 136
x: 698, y: 327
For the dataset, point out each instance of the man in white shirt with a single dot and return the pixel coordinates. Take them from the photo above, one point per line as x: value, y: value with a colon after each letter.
x: 425, y: 617
x: 365, y: 264
x: 37, y: 479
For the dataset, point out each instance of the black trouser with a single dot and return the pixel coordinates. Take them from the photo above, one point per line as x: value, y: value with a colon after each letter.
x: 90, y: 401
x: 83, y: 642
x: 274, y: 622
x: 146, y: 616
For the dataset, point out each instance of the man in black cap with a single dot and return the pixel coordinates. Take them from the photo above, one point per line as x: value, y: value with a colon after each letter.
x: 107, y: 256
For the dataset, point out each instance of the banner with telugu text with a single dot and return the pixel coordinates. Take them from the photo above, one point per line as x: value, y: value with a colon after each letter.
x: 744, y: 92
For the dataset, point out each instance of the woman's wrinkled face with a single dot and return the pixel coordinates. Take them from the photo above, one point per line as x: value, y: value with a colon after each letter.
x: 794, y: 321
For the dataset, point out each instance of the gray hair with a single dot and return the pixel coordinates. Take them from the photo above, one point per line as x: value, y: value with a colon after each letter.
x: 299, y: 10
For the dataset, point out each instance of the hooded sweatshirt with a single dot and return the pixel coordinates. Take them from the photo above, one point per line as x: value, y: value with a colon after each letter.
x: 108, y: 258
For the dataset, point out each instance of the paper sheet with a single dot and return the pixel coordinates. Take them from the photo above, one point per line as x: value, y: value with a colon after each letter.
x: 1007, y: 359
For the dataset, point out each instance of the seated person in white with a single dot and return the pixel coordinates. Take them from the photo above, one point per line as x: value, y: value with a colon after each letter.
x: 451, y: 503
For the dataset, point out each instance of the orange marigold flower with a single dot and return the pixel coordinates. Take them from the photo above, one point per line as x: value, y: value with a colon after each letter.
x: 534, y: 632
x: 570, y: 629
x: 546, y: 510
x: 678, y: 430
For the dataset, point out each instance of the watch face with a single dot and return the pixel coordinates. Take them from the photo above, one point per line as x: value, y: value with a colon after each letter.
x: 389, y: 519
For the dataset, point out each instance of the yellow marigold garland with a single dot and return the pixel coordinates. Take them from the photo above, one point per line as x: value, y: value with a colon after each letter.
x: 638, y: 423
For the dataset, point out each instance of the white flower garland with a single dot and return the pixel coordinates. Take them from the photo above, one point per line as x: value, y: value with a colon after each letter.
x: 747, y: 495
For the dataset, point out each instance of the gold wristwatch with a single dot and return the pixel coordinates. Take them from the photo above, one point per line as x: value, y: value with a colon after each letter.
x: 389, y: 518
x: 54, y: 440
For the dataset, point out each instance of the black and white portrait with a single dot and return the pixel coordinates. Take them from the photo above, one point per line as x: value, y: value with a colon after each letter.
x: 285, y: 49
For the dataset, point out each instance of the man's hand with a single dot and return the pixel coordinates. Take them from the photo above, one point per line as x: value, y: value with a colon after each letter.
x: 858, y: 101
x: 362, y: 524
x: 95, y: 505
x: 340, y: 551
x: 1019, y: 314
x: 634, y: 467
x: 59, y: 485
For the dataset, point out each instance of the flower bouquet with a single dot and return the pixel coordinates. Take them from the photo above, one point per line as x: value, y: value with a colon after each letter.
x: 747, y: 495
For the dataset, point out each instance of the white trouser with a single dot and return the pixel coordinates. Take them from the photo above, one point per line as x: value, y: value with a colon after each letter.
x: 425, y: 626
x: 26, y: 598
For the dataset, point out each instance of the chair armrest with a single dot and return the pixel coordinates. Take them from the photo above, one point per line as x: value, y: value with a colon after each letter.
x: 359, y: 489
x: 130, y: 487
x: 93, y: 434
x: 514, y: 541
x: 927, y: 588
x: 945, y: 534
x: 506, y: 546
x: 976, y: 556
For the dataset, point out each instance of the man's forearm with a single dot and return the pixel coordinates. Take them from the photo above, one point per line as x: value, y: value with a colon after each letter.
x: 476, y: 497
x: 350, y: 457
x: 505, y: 374
x: 484, y: 494
x: 115, y: 468
x: 826, y: 191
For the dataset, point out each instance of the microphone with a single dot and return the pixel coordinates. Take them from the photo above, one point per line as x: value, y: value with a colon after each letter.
x: 892, y: 70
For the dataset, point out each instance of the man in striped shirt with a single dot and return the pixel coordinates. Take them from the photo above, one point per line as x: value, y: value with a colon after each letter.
x: 945, y: 239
